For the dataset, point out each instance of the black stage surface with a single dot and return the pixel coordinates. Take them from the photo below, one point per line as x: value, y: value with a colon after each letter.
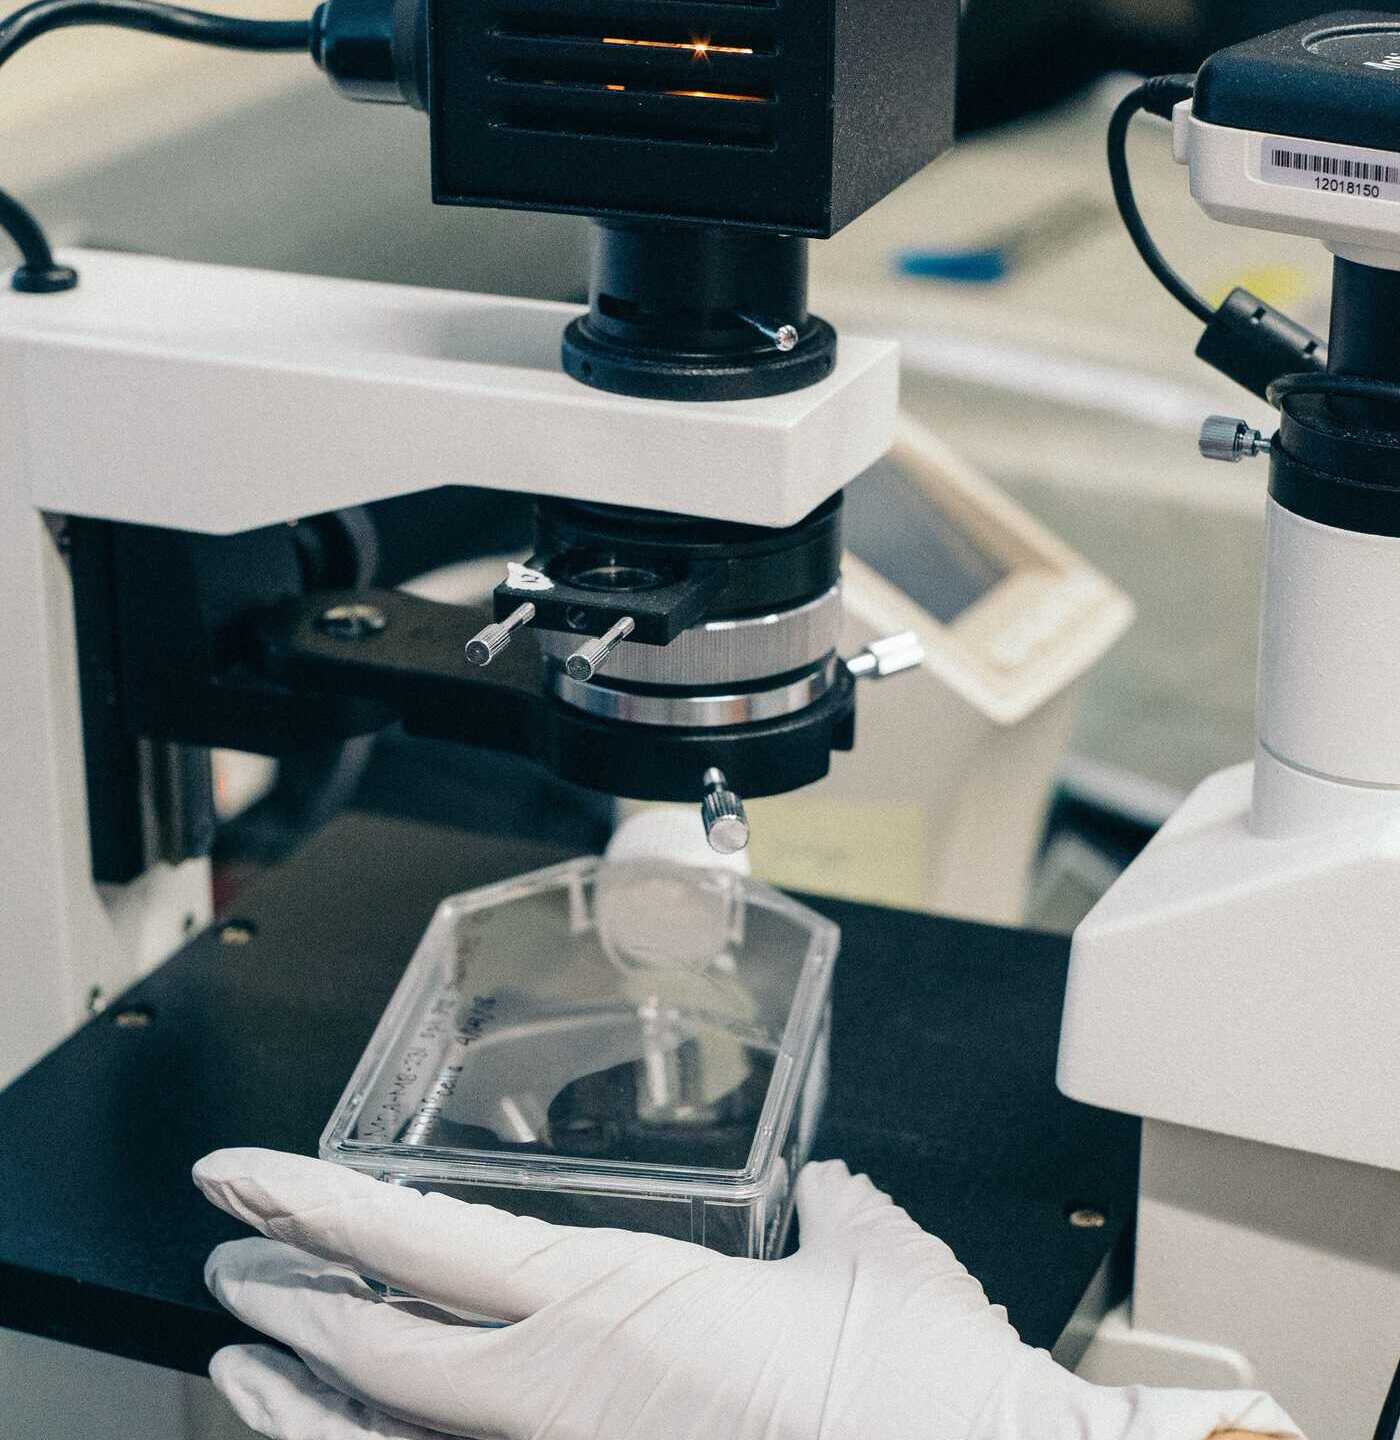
x: 942, y: 1089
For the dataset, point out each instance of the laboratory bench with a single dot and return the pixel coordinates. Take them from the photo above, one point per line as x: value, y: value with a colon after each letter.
x: 942, y: 1089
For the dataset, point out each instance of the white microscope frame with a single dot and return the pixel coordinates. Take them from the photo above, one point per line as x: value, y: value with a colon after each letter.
x: 214, y: 399
x: 1239, y: 987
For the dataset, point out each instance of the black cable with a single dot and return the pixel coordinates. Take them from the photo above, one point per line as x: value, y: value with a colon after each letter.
x: 1157, y: 97
x: 1388, y: 1427
x: 230, y: 31
x: 38, y: 272
x: 1344, y: 387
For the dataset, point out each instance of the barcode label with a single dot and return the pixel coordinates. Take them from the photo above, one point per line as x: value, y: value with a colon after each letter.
x: 1331, y: 169
x: 1335, y: 165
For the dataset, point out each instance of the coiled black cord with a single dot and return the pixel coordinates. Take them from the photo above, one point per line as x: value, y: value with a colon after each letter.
x: 1340, y: 387
x: 39, y: 273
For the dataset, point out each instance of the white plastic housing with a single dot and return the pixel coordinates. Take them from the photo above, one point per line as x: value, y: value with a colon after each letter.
x: 1329, y: 662
x: 1350, y: 201
x: 216, y: 399
x: 1245, y: 985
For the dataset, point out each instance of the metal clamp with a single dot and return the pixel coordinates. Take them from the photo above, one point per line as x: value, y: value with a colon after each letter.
x: 487, y: 643
x: 588, y: 659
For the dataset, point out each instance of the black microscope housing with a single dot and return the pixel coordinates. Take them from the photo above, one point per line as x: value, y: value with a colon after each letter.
x: 709, y: 139
x: 787, y: 116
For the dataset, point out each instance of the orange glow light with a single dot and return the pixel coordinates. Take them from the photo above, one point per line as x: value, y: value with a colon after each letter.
x: 715, y: 95
x: 701, y: 49
x: 696, y: 94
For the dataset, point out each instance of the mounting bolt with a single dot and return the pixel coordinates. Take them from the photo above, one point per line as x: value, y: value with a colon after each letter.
x: 588, y: 659
x: 887, y: 657
x: 487, y: 643
x: 1224, y: 437
x: 726, y: 822
x: 352, y: 621
x: 780, y: 334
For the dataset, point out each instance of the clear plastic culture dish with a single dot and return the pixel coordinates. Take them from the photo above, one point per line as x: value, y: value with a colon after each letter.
x: 639, y: 1045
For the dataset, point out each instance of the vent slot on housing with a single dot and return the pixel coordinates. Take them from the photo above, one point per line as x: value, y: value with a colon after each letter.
x: 624, y: 76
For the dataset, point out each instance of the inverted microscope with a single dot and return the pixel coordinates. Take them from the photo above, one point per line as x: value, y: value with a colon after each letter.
x: 186, y: 561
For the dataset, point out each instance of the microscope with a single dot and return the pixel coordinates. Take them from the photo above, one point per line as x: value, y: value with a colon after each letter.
x: 189, y: 559
x: 1238, y: 987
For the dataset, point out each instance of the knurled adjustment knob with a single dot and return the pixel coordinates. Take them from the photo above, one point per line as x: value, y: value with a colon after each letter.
x: 1228, y: 438
x: 726, y: 822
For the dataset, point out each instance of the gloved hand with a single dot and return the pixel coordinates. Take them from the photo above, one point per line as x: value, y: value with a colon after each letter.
x: 872, y: 1331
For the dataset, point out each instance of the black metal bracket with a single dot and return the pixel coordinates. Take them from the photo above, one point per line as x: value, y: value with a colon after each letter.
x: 230, y: 641
x: 661, y: 605
x: 411, y: 662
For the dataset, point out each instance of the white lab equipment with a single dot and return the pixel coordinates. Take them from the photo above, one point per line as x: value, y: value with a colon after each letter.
x: 1005, y: 621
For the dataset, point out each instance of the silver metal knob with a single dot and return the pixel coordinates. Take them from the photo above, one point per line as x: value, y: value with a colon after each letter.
x: 588, y: 659
x: 486, y: 644
x: 887, y: 657
x: 1227, y: 438
x: 726, y: 822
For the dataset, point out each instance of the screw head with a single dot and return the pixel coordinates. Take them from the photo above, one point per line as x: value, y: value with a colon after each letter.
x: 355, y: 620
x: 786, y: 338
x: 236, y: 932
x: 1087, y: 1218
x: 134, y: 1018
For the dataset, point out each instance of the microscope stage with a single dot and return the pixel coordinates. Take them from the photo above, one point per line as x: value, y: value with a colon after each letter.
x: 216, y: 399
x: 942, y: 1089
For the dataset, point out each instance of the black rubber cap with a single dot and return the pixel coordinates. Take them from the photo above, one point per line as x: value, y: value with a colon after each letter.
x: 43, y: 280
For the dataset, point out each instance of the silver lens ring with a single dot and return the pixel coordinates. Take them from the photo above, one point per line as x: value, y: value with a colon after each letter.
x: 699, y: 712
x: 723, y: 652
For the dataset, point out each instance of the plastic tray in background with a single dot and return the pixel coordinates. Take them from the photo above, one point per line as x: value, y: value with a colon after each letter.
x: 638, y: 1045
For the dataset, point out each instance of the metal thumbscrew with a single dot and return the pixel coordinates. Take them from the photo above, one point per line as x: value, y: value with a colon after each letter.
x: 1227, y: 438
x: 780, y: 334
x: 726, y: 822
x: 887, y: 657
x: 588, y: 659
x: 486, y: 644
x: 354, y: 621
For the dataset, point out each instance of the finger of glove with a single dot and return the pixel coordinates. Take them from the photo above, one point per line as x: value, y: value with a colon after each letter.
x: 835, y: 1207
x: 435, y: 1373
x: 843, y: 1213
x: 470, y: 1259
x: 274, y: 1394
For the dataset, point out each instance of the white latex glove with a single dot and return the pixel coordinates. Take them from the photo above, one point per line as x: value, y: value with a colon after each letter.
x: 873, y: 1331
